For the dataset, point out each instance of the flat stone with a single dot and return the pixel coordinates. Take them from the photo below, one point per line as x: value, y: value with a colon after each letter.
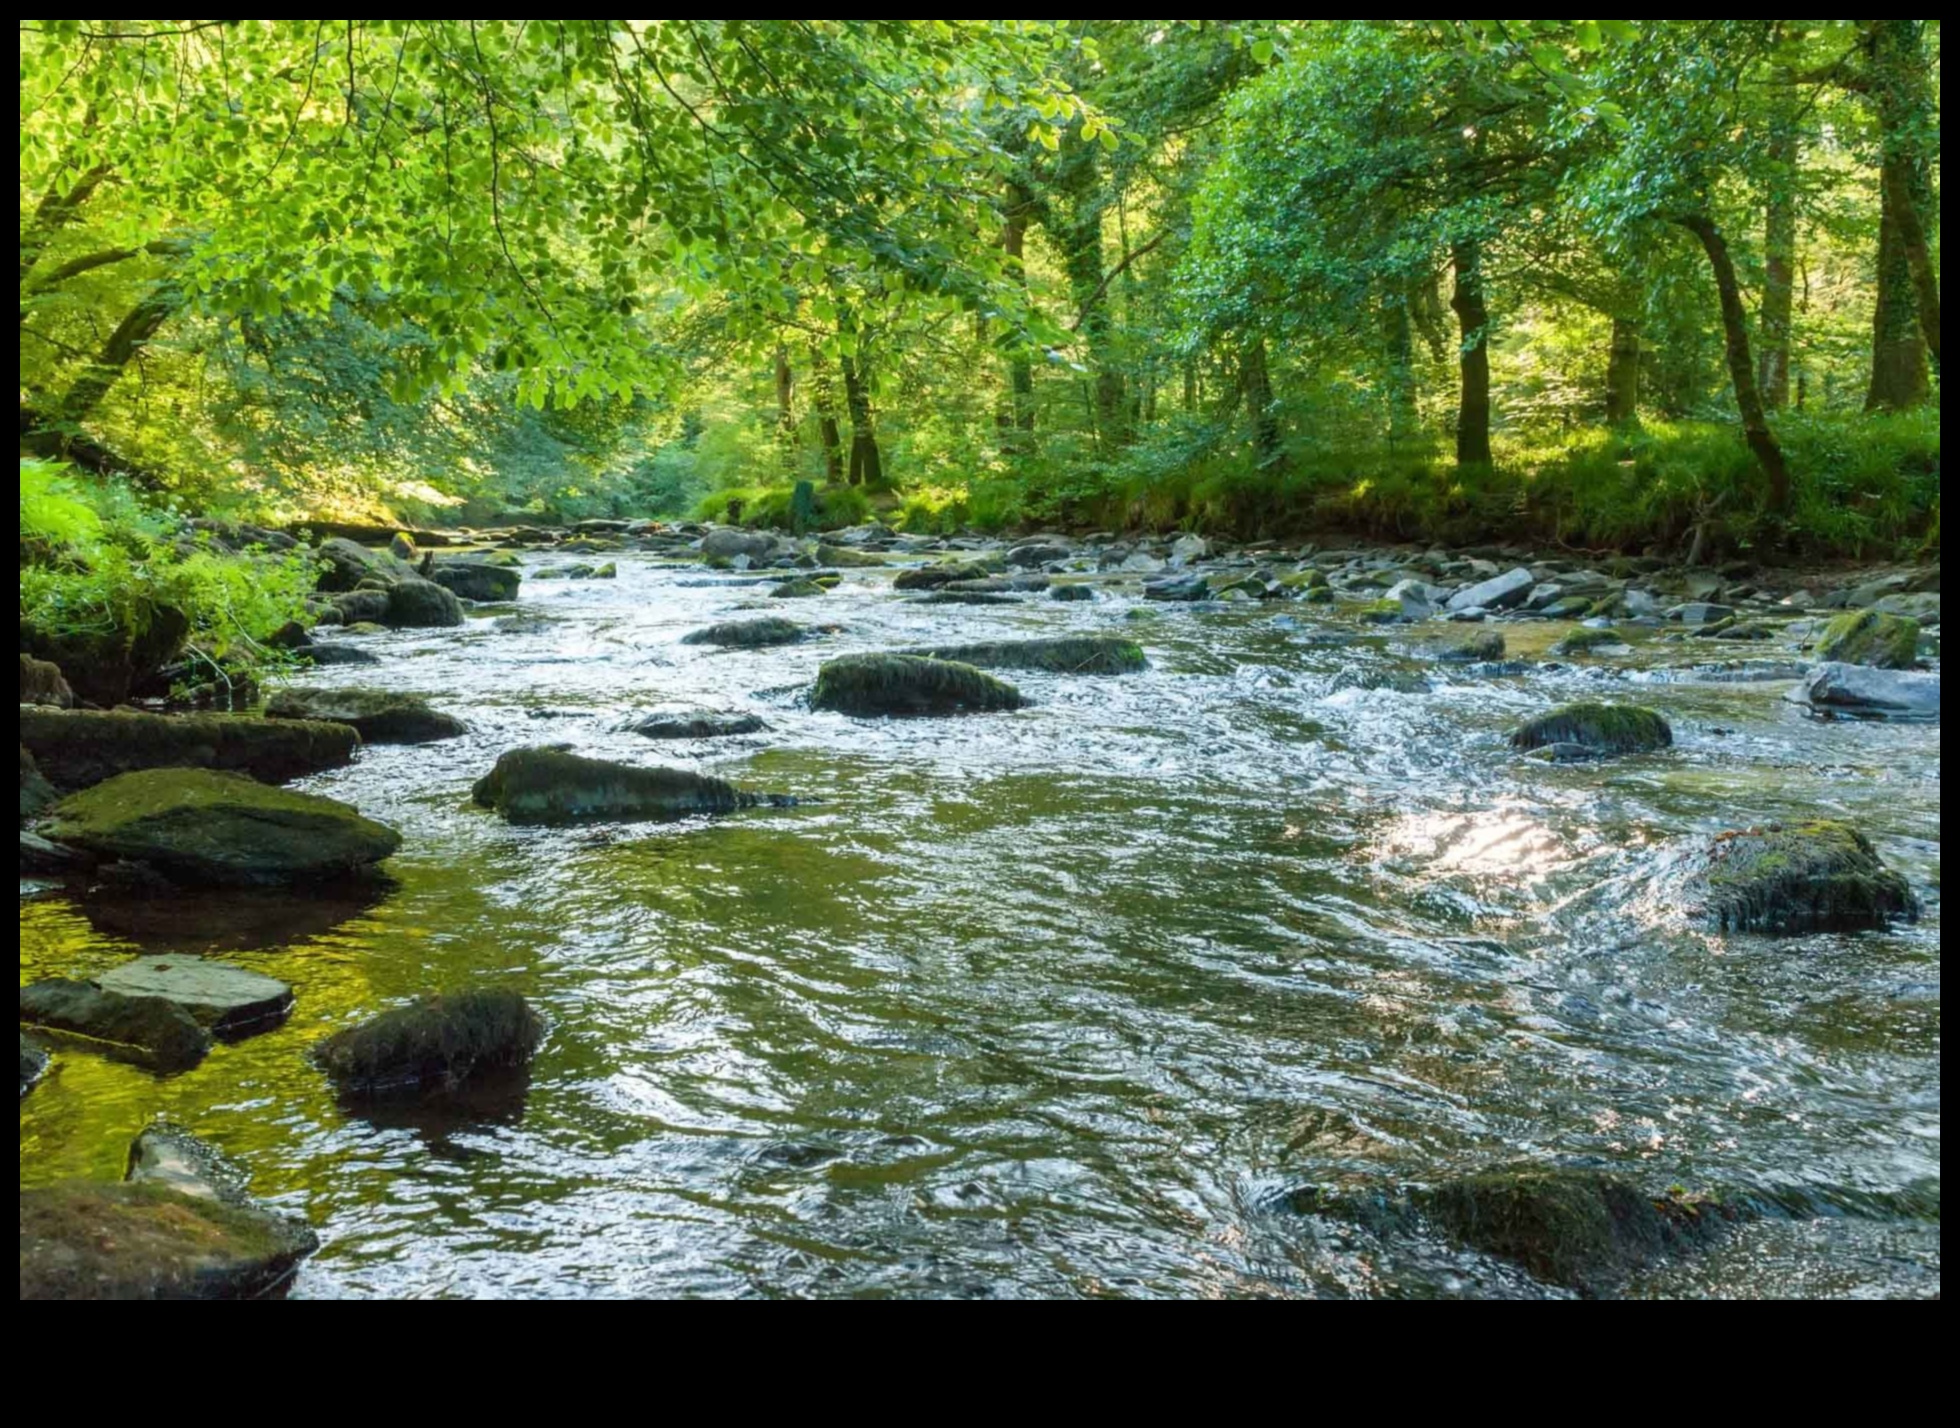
x: 1500, y: 592
x: 227, y: 999
x: 1861, y: 690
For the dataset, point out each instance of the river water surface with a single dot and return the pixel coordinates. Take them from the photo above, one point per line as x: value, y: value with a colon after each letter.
x: 1073, y: 1001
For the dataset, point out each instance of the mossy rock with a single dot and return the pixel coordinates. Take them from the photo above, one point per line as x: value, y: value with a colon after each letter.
x: 1301, y: 581
x: 1484, y: 647
x: 150, y: 1241
x: 77, y: 748
x: 36, y: 793
x: 345, y: 564
x: 477, y: 579
x: 697, y: 724
x: 1585, y: 640
x: 931, y: 577
x: 874, y: 684
x: 550, y: 784
x: 608, y: 571
x: 966, y: 597
x: 796, y: 590
x: 149, y: 1031
x: 844, y: 558
x: 435, y: 1043
x: 1871, y: 637
x: 381, y: 716
x: 1820, y: 876
x: 104, y: 666
x: 1584, y: 1230
x: 33, y: 1065
x: 1071, y: 593
x: 1383, y: 612
x: 421, y: 604
x: 748, y: 634
x: 362, y: 607
x: 1077, y: 654
x: 41, y: 683
x: 1603, y: 728
x: 203, y: 826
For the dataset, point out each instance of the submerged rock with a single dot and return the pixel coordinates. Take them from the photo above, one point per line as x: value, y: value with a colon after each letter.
x: 873, y: 684
x: 332, y: 652
x: 434, y: 1043
x: 1181, y: 589
x: 1071, y: 592
x: 550, y: 784
x: 931, y: 577
x: 1821, y: 876
x: 1483, y: 647
x: 148, y: 1030
x: 180, y: 1227
x: 1602, y: 728
x: 696, y: 724
x: 1077, y: 654
x: 33, y: 1065
x: 415, y: 603
x: 477, y: 579
x: 75, y: 748
x: 1862, y: 691
x: 41, y: 683
x: 202, y: 826
x: 230, y: 1001
x: 748, y: 634
x: 966, y: 597
x: 381, y: 716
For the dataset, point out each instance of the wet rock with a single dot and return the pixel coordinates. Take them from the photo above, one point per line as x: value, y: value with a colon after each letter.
x: 796, y: 590
x: 196, y: 825
x: 1188, y: 548
x: 228, y: 1001
x: 1870, y: 637
x: 931, y: 577
x: 1500, y: 592
x: 36, y: 793
x: 434, y: 1043
x: 33, y: 1065
x: 550, y: 784
x: 345, y: 564
x: 1399, y: 681
x: 949, y: 596
x: 725, y: 544
x: 41, y: 683
x: 1923, y: 607
x: 1587, y: 641
x: 421, y: 604
x: 360, y: 607
x: 873, y: 684
x: 1179, y: 589
x: 1480, y: 648
x: 1027, y: 557
x: 180, y: 1227
x: 1413, y: 599
x: 1080, y: 654
x: 1602, y: 728
x: 103, y: 666
x: 75, y: 748
x: 477, y: 580
x: 524, y: 622
x: 1700, y: 612
x: 844, y: 558
x: 748, y: 634
x: 1821, y: 876
x: 1860, y: 691
x: 696, y: 724
x: 323, y: 653
x: 147, y: 1030
x: 1584, y: 1230
x: 1071, y: 593
x: 42, y: 859
x: 380, y: 716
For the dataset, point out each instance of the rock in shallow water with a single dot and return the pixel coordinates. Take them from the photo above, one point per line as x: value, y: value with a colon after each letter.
x: 33, y: 1065
x: 874, y: 684
x: 1500, y: 592
x: 230, y: 1001
x: 416, y: 603
x: 434, y: 1043
x: 748, y: 634
x: 75, y: 748
x: 696, y: 724
x: 147, y: 1030
x: 1079, y: 654
x: 1870, y: 637
x: 1602, y: 728
x: 200, y: 826
x: 1861, y: 691
x: 550, y: 784
x: 381, y: 716
x: 477, y: 580
x: 1821, y: 876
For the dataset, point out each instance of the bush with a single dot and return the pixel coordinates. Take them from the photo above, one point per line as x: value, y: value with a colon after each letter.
x: 769, y: 507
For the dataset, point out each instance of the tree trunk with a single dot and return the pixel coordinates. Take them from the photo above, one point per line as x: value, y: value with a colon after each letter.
x: 867, y: 466
x: 56, y: 210
x: 1016, y: 420
x: 1623, y: 373
x: 1399, y: 354
x: 131, y: 336
x: 1779, y: 252
x: 785, y: 411
x: 1925, y: 282
x: 1078, y: 233
x: 1742, y: 370
x: 1473, y: 359
x: 826, y: 404
x: 1256, y: 385
x: 1900, y: 94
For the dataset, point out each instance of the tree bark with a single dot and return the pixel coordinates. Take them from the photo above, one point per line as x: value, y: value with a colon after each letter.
x: 826, y: 404
x: 1925, y: 282
x: 867, y: 465
x: 1779, y: 251
x: 1623, y: 373
x: 1078, y: 233
x: 1900, y: 94
x: 1256, y: 385
x: 56, y: 210
x: 1742, y: 370
x: 1473, y: 359
x: 1399, y: 355
x: 785, y: 410
x: 1016, y: 420
x: 131, y: 336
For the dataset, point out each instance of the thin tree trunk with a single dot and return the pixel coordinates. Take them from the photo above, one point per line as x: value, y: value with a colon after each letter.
x: 56, y: 210
x: 1925, y: 282
x: 1900, y: 95
x: 131, y: 336
x: 785, y: 410
x: 1623, y: 373
x: 826, y: 404
x: 1742, y: 370
x: 1473, y: 360
x: 867, y: 465
x: 1779, y: 252
x: 1016, y: 420
x: 1399, y: 353
x: 1079, y: 235
x: 1256, y: 385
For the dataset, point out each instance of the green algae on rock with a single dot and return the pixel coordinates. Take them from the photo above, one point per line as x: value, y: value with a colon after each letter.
x: 931, y: 577
x: 748, y: 634
x: 75, y: 748
x: 380, y: 716
x: 1071, y: 654
x: 477, y: 579
x: 203, y: 826
x: 1871, y: 637
x: 1481, y: 648
x: 873, y: 684
x: 150, y: 1031
x: 1820, y: 876
x: 1585, y: 640
x: 550, y: 784
x: 1602, y: 728
x: 434, y: 1043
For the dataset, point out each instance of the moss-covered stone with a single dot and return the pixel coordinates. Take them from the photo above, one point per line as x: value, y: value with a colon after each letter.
x: 1586, y: 640
x: 421, y: 604
x: 1604, y: 728
x: 1074, y: 654
x: 148, y: 1030
x: 931, y: 577
x: 873, y: 684
x: 41, y: 683
x: 966, y: 597
x: 1483, y: 647
x: 228, y: 1000
x: 796, y: 590
x: 361, y: 607
x: 203, y: 826
x: 1820, y: 876
x: 550, y: 784
x: 1382, y: 612
x: 844, y: 558
x: 380, y: 716
x: 1074, y: 592
x: 1871, y: 637
x: 105, y: 666
x: 434, y: 1043
x: 696, y: 724
x: 36, y: 793
x: 477, y: 579
x: 76, y: 748
x: 1584, y: 1230
x: 748, y: 634
x: 345, y: 564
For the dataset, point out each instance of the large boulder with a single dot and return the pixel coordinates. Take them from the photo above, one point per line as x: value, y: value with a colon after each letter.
x: 229, y: 1001
x: 180, y: 1227
x: 1500, y: 592
x: 436, y: 1043
x: 1076, y: 654
x: 1821, y: 876
x: 1871, y: 637
x: 361, y: 607
x: 344, y: 564
x: 421, y: 604
x: 41, y: 683
x: 1027, y: 557
x: 550, y: 784
x: 75, y: 748
x: 872, y: 684
x: 726, y: 543
x: 476, y: 579
x: 148, y: 1030
x: 1861, y: 691
x: 1595, y: 729
x: 380, y: 716
x: 748, y: 634
x: 103, y: 666
x: 202, y: 826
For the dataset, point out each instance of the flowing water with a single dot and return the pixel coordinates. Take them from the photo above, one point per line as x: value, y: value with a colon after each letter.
x: 1070, y: 1001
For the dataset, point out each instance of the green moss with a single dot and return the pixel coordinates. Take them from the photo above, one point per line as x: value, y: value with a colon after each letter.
x: 1480, y: 648
x: 436, y: 1042
x: 931, y: 577
x: 554, y: 785
x: 796, y: 590
x: 748, y: 634
x: 967, y: 597
x: 1584, y: 640
x: 381, y: 716
x: 872, y: 684
x: 157, y: 1033
x: 1081, y: 654
x: 1382, y: 612
x: 79, y: 747
x: 1819, y: 876
x: 1871, y: 637
x: 1609, y: 728
x: 1305, y: 580
x: 844, y: 558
